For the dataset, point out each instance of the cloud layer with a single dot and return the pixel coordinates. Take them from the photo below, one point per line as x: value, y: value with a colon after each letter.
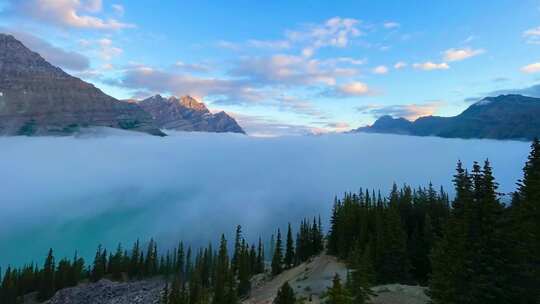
x: 67, y: 13
x: 408, y: 111
x: 195, y: 186
x: 461, y: 54
x: 65, y: 59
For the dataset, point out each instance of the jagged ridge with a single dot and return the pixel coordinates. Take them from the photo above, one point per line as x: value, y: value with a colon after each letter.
x: 187, y: 114
x: 37, y: 98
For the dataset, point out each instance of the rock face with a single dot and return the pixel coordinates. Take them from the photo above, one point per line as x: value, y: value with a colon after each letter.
x: 37, y: 98
x: 107, y: 292
x: 502, y: 117
x: 187, y: 114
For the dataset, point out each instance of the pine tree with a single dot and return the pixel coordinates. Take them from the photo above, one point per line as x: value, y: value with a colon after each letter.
x: 237, y: 249
x: 99, y: 266
x: 244, y: 284
x: 487, y: 284
x: 134, y: 260
x: 289, y: 251
x: 222, y: 273
x: 285, y: 295
x: 525, y: 226
x: 337, y: 294
x: 395, y: 264
x: 277, y: 259
x: 47, y: 286
x: 362, y: 276
x: 260, y: 257
x: 448, y: 284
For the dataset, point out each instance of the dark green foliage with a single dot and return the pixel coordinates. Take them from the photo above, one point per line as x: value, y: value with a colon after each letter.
x: 362, y: 275
x: 222, y: 273
x: 524, y: 220
x: 474, y: 243
x: 337, y: 294
x: 400, y: 230
x: 28, y: 129
x: 47, y: 287
x: 289, y: 249
x: 285, y: 295
x: 128, y: 124
x: 277, y: 259
x: 309, y: 241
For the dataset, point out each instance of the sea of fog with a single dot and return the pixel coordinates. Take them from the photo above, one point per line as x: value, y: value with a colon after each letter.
x: 73, y: 193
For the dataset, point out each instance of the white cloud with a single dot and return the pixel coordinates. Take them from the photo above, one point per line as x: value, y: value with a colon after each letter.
x: 119, y: 9
x: 532, y: 35
x: 429, y: 66
x: 400, y: 65
x: 531, y: 68
x: 68, y: 13
x: 355, y: 88
x: 192, y: 67
x: 461, y: 54
x: 391, y: 25
x: 532, y: 32
x: 142, y: 77
x: 228, y: 45
x: 107, y: 50
x: 334, y: 32
x: 289, y: 70
x: 269, y: 44
x: 381, y: 69
x: 59, y: 57
x: 408, y: 111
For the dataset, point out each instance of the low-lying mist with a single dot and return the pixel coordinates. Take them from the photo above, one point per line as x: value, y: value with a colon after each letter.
x: 73, y: 193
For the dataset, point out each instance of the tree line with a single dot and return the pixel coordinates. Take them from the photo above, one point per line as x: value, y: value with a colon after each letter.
x: 475, y: 249
x: 197, y: 276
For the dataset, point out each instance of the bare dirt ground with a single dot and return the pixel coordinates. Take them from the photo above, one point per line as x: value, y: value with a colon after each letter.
x: 311, y: 279
x: 308, y: 279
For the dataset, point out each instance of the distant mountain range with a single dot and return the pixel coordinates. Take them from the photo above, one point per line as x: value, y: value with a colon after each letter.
x: 37, y: 98
x: 187, y: 114
x: 501, y: 117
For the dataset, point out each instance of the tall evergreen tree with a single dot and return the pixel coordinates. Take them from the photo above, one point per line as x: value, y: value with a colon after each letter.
x: 222, y: 273
x: 277, y: 259
x: 525, y: 224
x: 47, y: 286
x: 289, y: 249
x: 362, y: 276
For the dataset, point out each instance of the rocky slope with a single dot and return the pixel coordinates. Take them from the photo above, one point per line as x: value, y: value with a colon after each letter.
x: 502, y: 117
x: 310, y: 281
x: 37, y: 98
x: 187, y: 114
x: 107, y: 292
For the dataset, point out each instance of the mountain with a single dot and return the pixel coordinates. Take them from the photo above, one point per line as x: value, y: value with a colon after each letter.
x: 502, y: 117
x: 187, y: 114
x: 37, y: 98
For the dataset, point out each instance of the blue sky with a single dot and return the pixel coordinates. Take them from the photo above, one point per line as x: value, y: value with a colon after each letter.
x: 292, y: 67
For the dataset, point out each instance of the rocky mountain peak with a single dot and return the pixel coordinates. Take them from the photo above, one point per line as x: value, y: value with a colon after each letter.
x: 187, y: 114
x: 510, y: 116
x: 38, y: 98
x: 191, y: 103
